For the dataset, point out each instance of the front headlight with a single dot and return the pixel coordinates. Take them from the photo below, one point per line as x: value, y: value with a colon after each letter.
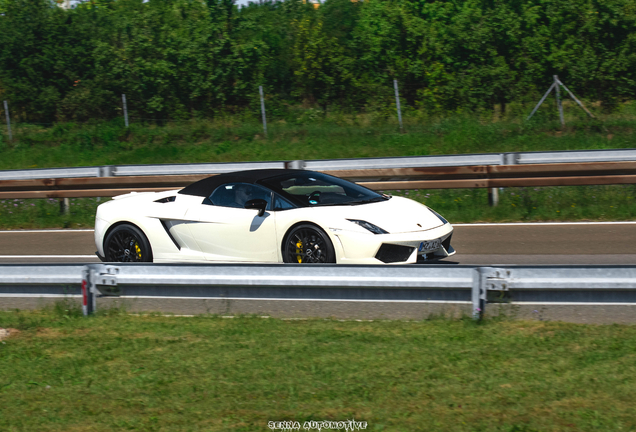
x: 368, y: 226
x: 439, y: 216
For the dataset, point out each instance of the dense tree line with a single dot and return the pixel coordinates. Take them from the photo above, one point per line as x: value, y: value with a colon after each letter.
x: 183, y: 58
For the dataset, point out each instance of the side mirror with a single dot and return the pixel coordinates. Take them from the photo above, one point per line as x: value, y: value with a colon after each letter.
x: 257, y: 204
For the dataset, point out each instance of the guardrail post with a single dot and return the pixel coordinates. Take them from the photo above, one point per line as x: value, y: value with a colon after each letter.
x: 478, y: 294
x: 65, y: 206
x: 88, y: 297
x: 493, y: 197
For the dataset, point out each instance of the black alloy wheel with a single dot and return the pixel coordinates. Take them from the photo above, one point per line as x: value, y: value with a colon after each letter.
x: 127, y: 243
x: 308, y: 244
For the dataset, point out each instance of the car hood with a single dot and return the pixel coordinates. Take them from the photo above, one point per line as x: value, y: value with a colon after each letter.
x: 397, y: 215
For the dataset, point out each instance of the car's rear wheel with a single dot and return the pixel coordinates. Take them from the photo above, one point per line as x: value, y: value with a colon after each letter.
x: 308, y: 244
x: 127, y: 243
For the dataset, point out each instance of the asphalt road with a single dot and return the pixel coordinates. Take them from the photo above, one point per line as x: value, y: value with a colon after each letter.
x: 478, y: 244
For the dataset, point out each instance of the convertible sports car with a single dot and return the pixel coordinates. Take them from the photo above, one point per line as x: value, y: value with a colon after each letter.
x: 274, y: 215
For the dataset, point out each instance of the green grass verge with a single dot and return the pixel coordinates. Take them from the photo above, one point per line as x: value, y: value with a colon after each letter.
x: 46, y: 213
x: 62, y: 372
x: 235, y: 139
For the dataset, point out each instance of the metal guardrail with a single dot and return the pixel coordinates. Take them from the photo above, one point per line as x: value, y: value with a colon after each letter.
x: 408, y: 161
x: 473, y: 176
x: 576, y: 156
x: 40, y: 280
x: 46, y: 173
x: 195, y: 168
x: 470, y: 285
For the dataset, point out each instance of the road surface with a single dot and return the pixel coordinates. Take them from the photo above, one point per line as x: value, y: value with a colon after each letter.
x: 477, y: 244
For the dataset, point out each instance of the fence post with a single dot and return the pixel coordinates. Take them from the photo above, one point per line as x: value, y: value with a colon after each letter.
x: 575, y: 99
x: 541, y: 101
x: 397, y: 104
x: 6, y: 112
x: 558, y: 98
x: 260, y: 91
x: 123, y: 99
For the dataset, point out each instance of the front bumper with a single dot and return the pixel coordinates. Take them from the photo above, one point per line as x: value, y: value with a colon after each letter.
x: 403, y: 248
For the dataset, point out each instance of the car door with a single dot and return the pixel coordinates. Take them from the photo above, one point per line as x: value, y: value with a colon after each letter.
x: 226, y: 231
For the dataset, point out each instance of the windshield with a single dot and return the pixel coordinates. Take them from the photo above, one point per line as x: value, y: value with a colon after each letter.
x: 308, y: 189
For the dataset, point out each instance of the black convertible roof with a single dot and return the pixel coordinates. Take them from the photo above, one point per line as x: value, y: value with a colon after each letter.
x: 205, y: 187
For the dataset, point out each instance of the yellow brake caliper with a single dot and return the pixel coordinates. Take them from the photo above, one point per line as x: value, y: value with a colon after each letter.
x: 138, y: 250
x: 299, y: 250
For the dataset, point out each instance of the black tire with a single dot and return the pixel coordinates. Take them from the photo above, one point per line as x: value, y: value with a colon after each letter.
x: 308, y: 244
x: 127, y: 243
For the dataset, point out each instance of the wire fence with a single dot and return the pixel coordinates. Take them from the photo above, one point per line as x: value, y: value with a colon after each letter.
x: 127, y: 118
x: 391, y: 108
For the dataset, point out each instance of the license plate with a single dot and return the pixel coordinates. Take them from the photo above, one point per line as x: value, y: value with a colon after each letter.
x: 429, y: 245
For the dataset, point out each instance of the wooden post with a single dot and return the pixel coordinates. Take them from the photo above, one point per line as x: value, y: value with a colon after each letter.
x: 260, y: 91
x: 397, y: 104
x: 6, y: 112
x: 123, y: 99
x: 558, y: 97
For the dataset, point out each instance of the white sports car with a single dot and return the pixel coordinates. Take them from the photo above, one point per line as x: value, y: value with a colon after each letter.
x: 274, y: 215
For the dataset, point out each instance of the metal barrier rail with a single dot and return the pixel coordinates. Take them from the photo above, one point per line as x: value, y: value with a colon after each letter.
x: 474, y: 176
x: 516, y: 158
x: 445, y: 284
x: 49, y: 280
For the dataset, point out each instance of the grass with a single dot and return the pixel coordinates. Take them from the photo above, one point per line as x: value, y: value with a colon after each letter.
x: 62, y: 372
x: 46, y: 213
x: 565, y: 203
x: 301, y: 136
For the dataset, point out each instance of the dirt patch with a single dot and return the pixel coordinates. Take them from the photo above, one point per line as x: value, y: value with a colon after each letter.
x: 6, y: 332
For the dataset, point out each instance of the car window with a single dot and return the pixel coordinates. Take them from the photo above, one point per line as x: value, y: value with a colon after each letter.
x: 307, y: 189
x: 237, y: 194
x: 281, y: 203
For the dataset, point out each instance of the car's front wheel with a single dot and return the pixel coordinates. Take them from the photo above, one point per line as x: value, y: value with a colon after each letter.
x: 308, y: 244
x: 127, y: 243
